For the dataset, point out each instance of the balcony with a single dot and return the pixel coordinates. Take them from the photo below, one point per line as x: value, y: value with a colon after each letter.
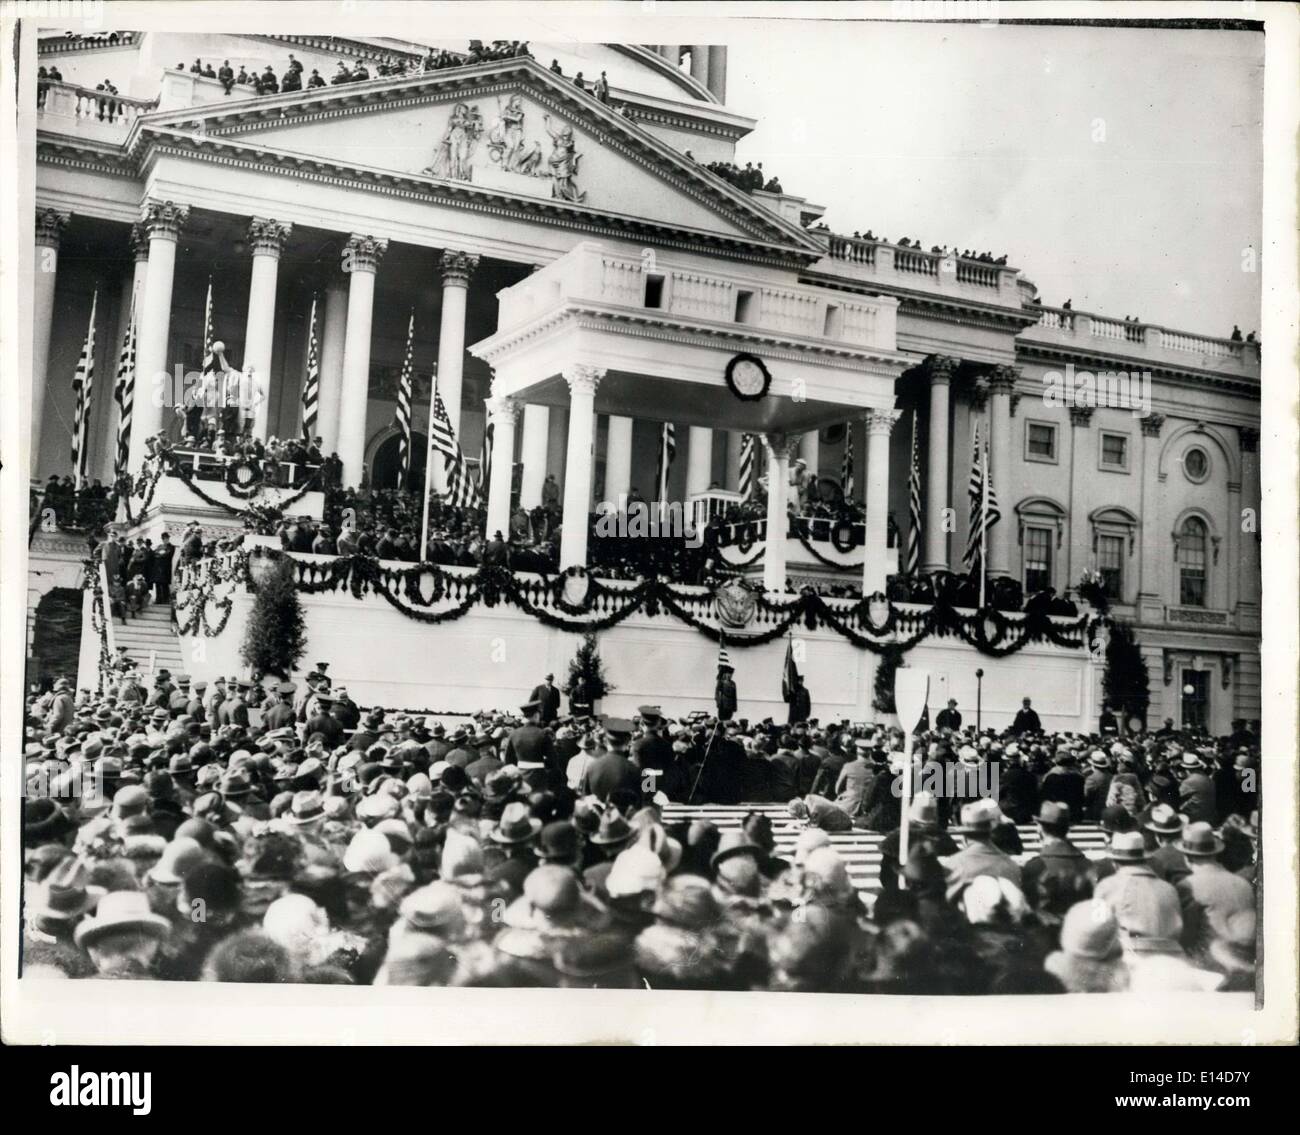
x: 1086, y: 331
x: 594, y: 274
x: 71, y: 109
x: 879, y: 262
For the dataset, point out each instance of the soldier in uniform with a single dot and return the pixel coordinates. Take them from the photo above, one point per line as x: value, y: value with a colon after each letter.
x: 194, y: 707
x: 236, y: 709
x: 345, y: 709
x: 323, y: 722
x: 531, y: 743
x: 280, y: 713
x: 612, y: 771
x: 652, y: 750
x: 180, y: 698
x: 215, y: 700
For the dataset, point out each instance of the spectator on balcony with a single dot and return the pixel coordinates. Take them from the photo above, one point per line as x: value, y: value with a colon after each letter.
x: 773, y: 186
x: 54, y: 74
x: 291, y: 81
x: 325, y: 543
x: 341, y: 76
x: 601, y: 88
x: 294, y: 65
x: 1236, y: 334
x: 196, y: 68
x: 360, y: 73
x: 315, y: 80
x: 244, y: 79
x: 578, y: 81
x: 267, y: 83
x: 107, y: 106
x: 208, y: 72
x: 42, y: 85
x: 226, y: 76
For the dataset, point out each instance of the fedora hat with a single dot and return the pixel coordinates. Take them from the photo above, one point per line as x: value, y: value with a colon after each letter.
x: 121, y: 910
x: 558, y: 843
x: 923, y: 812
x: 516, y: 825
x: 1053, y: 812
x: 1099, y: 760
x: 1164, y: 821
x: 1191, y: 761
x: 1128, y: 847
x: 434, y: 909
x: 979, y: 816
x: 735, y: 842
x: 613, y: 829
x: 66, y: 893
x: 1200, y: 841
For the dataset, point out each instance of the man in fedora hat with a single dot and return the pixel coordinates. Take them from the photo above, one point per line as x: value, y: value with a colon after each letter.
x: 979, y: 820
x: 1096, y: 785
x: 1139, y: 899
x: 280, y: 713
x: 612, y: 771
x: 547, y: 695
x: 1060, y: 875
x: 1210, y: 895
x: 324, y: 722
x: 62, y: 710
x: 1164, y: 826
x: 1195, y: 789
x: 923, y: 831
x: 611, y: 837
x: 54, y: 908
x: 123, y: 936
x: 580, y: 761
x: 513, y: 859
x: 1064, y: 782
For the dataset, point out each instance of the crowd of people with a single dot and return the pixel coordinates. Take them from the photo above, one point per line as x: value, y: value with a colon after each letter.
x: 747, y: 179
x: 326, y: 843
x: 910, y: 242
x: 86, y: 509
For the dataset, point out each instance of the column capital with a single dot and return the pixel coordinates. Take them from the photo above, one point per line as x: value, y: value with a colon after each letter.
x: 1151, y: 424
x: 50, y: 224
x: 267, y: 237
x: 782, y: 446
x: 1249, y: 436
x: 880, y: 423
x: 363, y: 253
x: 941, y: 368
x: 583, y: 379
x: 163, y: 220
x: 139, y: 241
x: 1002, y: 379
x: 503, y: 410
x: 1081, y: 416
x: 457, y: 267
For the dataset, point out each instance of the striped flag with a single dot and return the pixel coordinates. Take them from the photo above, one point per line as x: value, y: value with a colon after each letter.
x: 846, y: 464
x: 724, y: 659
x: 914, y: 507
x: 748, y: 463
x: 462, y: 492
x: 124, y: 395
x: 311, y: 388
x: 209, y: 356
x: 403, y: 419
x: 790, y: 674
x: 983, y: 505
x: 485, y: 457
x: 83, y: 384
x: 667, y: 451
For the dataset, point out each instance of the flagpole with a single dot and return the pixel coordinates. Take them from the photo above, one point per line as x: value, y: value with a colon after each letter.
x: 85, y: 379
x: 428, y: 468
x: 984, y: 518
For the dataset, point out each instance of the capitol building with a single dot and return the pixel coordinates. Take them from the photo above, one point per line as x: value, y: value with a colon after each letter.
x: 574, y: 267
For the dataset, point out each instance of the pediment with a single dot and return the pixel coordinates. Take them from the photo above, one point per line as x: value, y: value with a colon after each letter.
x: 511, y: 131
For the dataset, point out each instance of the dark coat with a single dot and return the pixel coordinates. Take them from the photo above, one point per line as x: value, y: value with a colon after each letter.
x: 278, y: 716
x: 1017, y: 793
x: 610, y: 773
x: 530, y: 744
x: 549, y: 696
x: 800, y: 705
x: 948, y: 719
x: 653, y: 751
x: 724, y: 698
x: 161, y: 567
x: 327, y: 726
x: 784, y: 778
x: 1064, y: 785
x: 1057, y: 877
x: 1026, y: 722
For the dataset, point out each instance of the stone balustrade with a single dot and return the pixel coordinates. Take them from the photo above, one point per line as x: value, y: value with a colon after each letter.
x: 69, y: 108
x: 882, y: 262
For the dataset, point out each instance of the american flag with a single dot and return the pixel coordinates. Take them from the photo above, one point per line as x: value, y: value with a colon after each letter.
x: 724, y: 659
x: 485, y: 457
x: 83, y: 383
x: 311, y: 388
x: 461, y: 490
x: 748, y: 462
x: 403, y: 419
x: 667, y: 451
x: 983, y: 505
x: 124, y: 395
x: 846, y: 465
x: 914, y: 507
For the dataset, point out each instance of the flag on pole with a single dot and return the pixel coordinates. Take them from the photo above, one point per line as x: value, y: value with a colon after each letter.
x: 311, y: 388
x: 667, y: 451
x: 83, y: 384
x: 748, y: 464
x: 983, y: 506
x: 914, y: 507
x: 403, y: 419
x: 485, y: 457
x: 209, y: 356
x: 790, y: 674
x: 846, y: 464
x: 462, y: 492
x: 124, y: 395
x: 724, y: 659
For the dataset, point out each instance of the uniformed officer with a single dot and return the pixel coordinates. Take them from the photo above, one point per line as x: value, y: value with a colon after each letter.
x: 530, y: 744
x: 725, y: 694
x: 280, y: 713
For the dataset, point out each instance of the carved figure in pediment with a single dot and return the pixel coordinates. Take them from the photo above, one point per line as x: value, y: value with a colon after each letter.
x: 459, y: 141
x: 563, y: 162
x: 506, y: 143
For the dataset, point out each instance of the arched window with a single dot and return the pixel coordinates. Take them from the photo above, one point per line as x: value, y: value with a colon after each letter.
x: 1192, y: 561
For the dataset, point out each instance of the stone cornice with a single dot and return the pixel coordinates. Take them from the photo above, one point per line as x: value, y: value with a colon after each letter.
x: 57, y: 149
x: 561, y: 97
x: 946, y: 308
x: 655, y: 324
x: 1181, y: 376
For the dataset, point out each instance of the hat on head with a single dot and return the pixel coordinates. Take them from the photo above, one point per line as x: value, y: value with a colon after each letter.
x: 987, y: 897
x: 434, y: 909
x: 516, y: 825
x: 66, y: 892
x: 369, y: 853
x: 980, y: 816
x: 808, y: 841
x: 636, y: 870
x: 530, y: 707
x: 1164, y: 821
x: 1054, y: 812
x: 121, y: 910
x: 923, y: 812
x: 1128, y: 847
x: 306, y: 807
x: 613, y: 828
x: 618, y: 726
x: 1200, y: 841
x: 1191, y: 761
x: 1099, y: 760
x: 558, y: 842
x: 1116, y: 818
x: 735, y: 842
x: 650, y: 712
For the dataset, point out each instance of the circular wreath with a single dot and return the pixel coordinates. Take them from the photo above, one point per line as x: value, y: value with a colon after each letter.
x: 842, y: 536
x: 572, y: 578
x: 243, y: 479
x: 736, y: 361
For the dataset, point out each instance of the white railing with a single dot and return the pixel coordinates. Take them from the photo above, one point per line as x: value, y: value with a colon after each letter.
x: 68, y: 100
x: 1127, y: 331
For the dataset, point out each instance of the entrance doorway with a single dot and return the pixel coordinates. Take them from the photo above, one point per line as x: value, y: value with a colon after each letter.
x: 384, y: 468
x: 1196, y: 699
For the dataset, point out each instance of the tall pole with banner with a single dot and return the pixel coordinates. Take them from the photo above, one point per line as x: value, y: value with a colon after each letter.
x: 911, y: 692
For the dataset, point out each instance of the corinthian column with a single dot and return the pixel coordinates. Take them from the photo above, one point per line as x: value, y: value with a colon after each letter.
x: 779, y: 449
x: 361, y: 257
x: 579, y: 458
x: 940, y: 369
x: 537, y: 426
x: 50, y: 224
x: 457, y: 267
x: 1001, y: 383
x: 266, y: 238
x: 162, y: 221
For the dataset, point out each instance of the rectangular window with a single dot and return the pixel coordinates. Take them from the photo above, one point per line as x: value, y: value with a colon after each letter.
x: 654, y: 291
x: 833, y: 327
x: 1110, y: 563
x: 1114, y: 451
x: 744, y: 300
x: 1038, y: 559
x: 1040, y: 441
x: 1196, y: 699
